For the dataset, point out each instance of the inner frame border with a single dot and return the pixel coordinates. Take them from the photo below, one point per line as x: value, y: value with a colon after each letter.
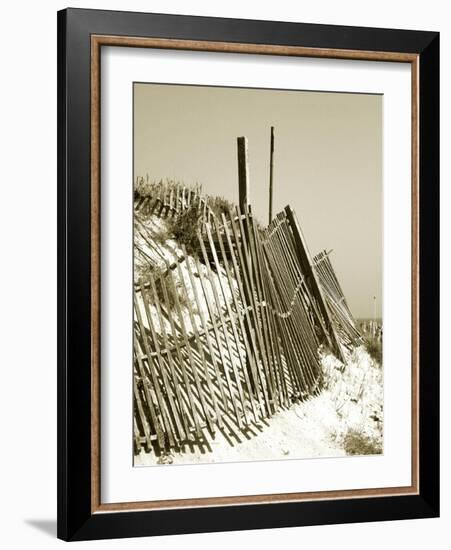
x: 97, y: 41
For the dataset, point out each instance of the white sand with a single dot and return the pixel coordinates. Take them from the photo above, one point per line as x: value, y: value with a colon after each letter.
x: 315, y: 428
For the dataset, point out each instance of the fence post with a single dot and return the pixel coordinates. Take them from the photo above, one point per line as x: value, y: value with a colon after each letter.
x: 312, y: 280
x: 243, y: 174
x: 271, y: 168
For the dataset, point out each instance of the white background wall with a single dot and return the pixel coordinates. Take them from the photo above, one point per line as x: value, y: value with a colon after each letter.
x: 28, y: 271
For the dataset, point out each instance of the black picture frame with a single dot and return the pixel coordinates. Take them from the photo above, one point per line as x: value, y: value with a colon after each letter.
x: 76, y: 521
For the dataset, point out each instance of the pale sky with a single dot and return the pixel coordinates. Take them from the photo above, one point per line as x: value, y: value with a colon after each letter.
x: 327, y: 163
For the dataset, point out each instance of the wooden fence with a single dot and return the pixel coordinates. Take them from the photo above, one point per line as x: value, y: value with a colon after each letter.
x: 168, y: 199
x: 343, y: 320
x: 224, y: 340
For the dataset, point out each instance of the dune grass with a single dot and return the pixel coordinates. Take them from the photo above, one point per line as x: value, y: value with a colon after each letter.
x: 357, y: 443
x: 374, y: 348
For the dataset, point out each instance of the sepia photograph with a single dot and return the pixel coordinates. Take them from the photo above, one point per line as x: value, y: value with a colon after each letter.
x: 257, y: 261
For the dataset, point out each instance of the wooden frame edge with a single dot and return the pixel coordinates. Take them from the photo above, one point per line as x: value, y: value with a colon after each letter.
x: 415, y: 270
x: 95, y: 275
x: 98, y: 40
x: 230, y: 47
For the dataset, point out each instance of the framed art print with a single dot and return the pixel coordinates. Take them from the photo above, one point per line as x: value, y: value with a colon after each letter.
x: 248, y: 274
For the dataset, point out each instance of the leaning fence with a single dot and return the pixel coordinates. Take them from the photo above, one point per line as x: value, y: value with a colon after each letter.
x: 225, y: 339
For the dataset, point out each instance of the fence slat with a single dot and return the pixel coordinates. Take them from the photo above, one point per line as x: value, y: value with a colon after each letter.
x: 156, y: 382
x: 183, y: 432
x: 207, y: 412
x: 231, y: 316
x: 219, y: 343
x: 154, y: 420
x: 226, y: 333
x: 246, y: 321
x: 200, y: 350
x: 206, y: 332
x: 182, y: 365
x: 240, y: 240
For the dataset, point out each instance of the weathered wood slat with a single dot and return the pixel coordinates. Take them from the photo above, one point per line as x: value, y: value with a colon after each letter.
x: 256, y: 297
x: 166, y: 391
x: 273, y: 338
x: 263, y: 310
x: 200, y: 350
x: 250, y: 296
x: 292, y: 345
x: 226, y: 337
x: 206, y: 332
x: 237, y: 317
x: 247, y: 319
x: 219, y: 344
x: 181, y: 362
x: 306, y: 263
x: 142, y: 415
x: 158, y: 421
x: 185, y: 430
x: 192, y: 362
x: 154, y: 377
